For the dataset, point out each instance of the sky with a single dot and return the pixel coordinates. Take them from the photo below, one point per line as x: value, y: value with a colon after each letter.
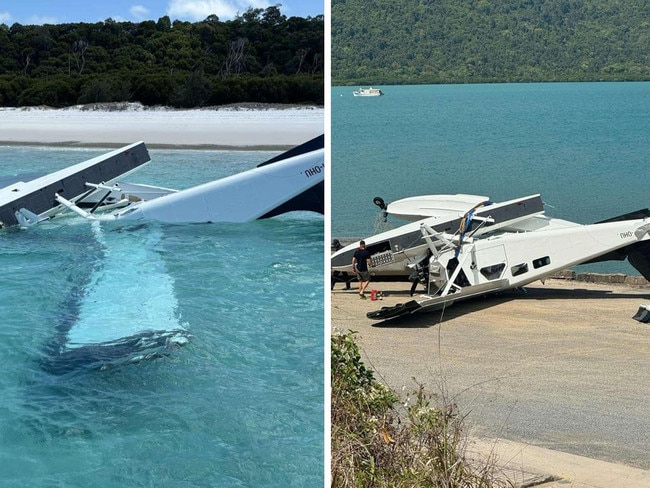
x: 38, y: 12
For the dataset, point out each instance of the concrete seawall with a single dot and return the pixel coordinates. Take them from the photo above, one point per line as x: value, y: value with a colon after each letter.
x: 614, y: 278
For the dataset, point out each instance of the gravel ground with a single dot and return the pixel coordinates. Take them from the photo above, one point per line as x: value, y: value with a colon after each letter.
x: 561, y: 366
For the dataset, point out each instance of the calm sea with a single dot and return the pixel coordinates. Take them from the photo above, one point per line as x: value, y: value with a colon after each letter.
x: 240, y: 406
x: 583, y: 146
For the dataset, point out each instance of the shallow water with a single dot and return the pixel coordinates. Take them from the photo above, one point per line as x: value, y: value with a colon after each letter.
x: 240, y: 405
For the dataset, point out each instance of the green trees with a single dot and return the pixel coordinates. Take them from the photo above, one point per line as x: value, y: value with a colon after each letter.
x: 260, y: 56
x: 446, y: 41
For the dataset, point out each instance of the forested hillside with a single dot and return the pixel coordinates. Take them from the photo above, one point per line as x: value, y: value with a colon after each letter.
x: 260, y: 56
x: 469, y: 41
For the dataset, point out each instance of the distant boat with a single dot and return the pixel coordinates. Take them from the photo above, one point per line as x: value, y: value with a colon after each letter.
x: 367, y: 92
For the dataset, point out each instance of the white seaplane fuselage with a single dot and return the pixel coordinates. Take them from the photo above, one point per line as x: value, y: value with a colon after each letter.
x: 479, y: 247
x: 461, y: 270
x: 521, y: 258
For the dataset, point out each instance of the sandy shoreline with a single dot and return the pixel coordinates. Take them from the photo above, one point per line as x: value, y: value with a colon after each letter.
x: 228, y: 128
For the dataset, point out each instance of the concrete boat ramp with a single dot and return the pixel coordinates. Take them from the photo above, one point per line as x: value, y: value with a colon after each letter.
x: 559, y: 373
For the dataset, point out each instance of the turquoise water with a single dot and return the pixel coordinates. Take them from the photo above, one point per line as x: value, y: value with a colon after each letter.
x: 241, y: 405
x: 583, y: 146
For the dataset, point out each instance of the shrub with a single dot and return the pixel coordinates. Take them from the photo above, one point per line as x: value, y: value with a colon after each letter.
x: 372, y: 446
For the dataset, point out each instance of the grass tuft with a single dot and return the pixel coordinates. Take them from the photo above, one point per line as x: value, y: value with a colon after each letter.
x: 376, y: 446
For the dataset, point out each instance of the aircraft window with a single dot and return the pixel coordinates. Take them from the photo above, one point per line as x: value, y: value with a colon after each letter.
x: 493, y: 272
x: 538, y: 263
x: 519, y: 269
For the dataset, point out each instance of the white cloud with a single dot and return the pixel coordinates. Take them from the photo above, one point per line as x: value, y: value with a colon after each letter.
x: 41, y: 20
x: 196, y: 10
x: 6, y: 18
x: 139, y: 12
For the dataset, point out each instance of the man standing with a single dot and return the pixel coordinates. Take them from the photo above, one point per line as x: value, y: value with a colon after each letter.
x: 361, y: 261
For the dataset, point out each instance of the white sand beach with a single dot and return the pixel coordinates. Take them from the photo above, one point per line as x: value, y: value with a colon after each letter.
x: 228, y: 127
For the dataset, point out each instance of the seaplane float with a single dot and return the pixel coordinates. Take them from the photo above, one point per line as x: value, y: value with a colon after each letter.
x: 478, y: 247
x: 95, y: 189
x: 123, y: 309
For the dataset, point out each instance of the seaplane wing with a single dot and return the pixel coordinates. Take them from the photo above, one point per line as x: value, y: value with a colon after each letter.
x: 122, y: 308
x: 464, y: 268
x: 37, y: 196
x: 443, y: 207
x: 394, y: 251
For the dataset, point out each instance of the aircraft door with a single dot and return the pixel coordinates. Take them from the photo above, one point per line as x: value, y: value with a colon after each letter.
x: 488, y: 264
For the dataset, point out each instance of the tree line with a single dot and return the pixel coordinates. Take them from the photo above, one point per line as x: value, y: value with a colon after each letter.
x: 479, y: 41
x: 260, y: 56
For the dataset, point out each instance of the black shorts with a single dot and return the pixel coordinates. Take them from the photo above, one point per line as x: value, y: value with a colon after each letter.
x: 363, y: 275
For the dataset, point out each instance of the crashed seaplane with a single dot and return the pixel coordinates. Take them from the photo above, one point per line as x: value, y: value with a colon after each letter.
x: 479, y: 247
x: 96, y: 190
x: 122, y: 307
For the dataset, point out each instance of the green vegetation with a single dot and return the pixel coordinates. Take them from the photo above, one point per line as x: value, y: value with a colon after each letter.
x: 261, y: 56
x: 447, y: 41
x: 373, y: 447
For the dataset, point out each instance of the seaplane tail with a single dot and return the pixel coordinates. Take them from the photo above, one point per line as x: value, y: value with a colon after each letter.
x: 637, y: 254
x: 293, y: 181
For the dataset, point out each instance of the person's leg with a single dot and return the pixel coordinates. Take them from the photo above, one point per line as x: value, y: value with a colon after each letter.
x: 365, y: 285
x: 413, y: 287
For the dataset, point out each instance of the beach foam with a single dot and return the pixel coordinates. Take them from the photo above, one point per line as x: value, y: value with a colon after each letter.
x: 247, y: 126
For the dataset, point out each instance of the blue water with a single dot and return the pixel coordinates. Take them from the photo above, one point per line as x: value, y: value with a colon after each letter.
x: 583, y: 146
x: 240, y: 406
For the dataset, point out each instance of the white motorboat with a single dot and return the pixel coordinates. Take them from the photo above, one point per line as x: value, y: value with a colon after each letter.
x: 367, y: 92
